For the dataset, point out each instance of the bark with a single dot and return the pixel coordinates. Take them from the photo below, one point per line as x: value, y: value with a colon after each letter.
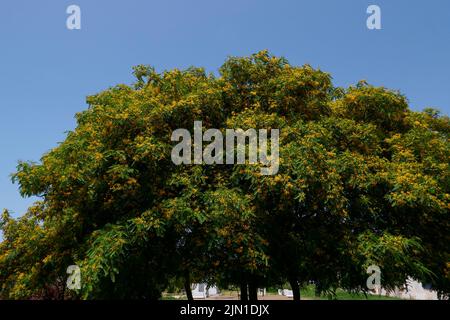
x: 253, y: 291
x: 187, y: 286
x: 244, y: 294
x: 295, y: 288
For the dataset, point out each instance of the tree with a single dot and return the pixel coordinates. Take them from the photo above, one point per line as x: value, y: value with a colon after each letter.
x: 362, y: 180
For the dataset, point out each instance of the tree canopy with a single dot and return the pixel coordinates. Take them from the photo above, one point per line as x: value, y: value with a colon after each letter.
x: 362, y: 180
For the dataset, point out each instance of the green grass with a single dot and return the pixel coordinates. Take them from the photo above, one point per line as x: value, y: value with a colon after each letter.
x: 309, y: 292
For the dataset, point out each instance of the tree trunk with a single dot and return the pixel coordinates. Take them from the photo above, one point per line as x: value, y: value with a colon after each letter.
x: 295, y: 288
x: 253, y: 291
x: 244, y: 294
x: 187, y: 286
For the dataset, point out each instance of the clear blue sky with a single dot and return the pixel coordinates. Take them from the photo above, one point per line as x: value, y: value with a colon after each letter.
x: 46, y: 71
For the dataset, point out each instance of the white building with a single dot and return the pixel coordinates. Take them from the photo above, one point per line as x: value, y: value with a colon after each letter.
x: 414, y: 291
x: 203, y: 291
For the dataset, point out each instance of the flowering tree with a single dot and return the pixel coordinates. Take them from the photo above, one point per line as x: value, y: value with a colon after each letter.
x: 362, y: 180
